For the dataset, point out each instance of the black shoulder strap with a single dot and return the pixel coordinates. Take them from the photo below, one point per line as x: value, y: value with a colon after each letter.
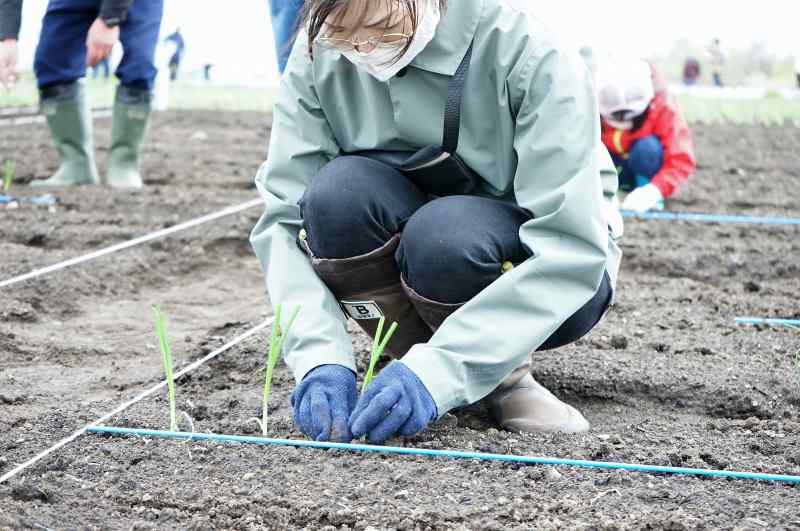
x: 452, y: 112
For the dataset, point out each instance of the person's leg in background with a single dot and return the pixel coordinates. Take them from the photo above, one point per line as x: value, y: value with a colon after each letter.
x: 354, y: 211
x: 105, y: 62
x: 471, y: 252
x: 60, y: 66
x: 105, y: 65
x: 284, y: 14
x: 174, y: 65
x: 644, y: 162
x: 627, y: 180
x: 133, y: 101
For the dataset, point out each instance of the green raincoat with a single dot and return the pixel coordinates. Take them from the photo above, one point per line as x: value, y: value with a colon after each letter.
x: 530, y: 128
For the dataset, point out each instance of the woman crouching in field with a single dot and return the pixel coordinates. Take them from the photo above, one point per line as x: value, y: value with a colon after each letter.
x: 440, y: 166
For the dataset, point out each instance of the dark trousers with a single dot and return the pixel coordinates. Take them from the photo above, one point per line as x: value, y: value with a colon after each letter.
x: 61, y: 54
x: 643, y: 163
x: 451, y: 247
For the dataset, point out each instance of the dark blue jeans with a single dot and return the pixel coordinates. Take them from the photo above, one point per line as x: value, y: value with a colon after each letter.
x: 61, y: 54
x: 284, y: 15
x: 452, y: 247
x: 643, y: 163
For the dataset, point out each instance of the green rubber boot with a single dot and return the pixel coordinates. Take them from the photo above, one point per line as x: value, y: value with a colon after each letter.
x: 131, y: 114
x: 67, y: 111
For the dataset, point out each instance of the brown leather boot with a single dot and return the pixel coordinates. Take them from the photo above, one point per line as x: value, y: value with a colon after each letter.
x: 368, y: 287
x: 519, y: 403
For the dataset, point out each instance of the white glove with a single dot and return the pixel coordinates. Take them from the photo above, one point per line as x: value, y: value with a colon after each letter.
x: 643, y: 199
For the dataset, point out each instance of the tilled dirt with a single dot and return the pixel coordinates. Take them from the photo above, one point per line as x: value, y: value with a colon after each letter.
x: 666, y: 379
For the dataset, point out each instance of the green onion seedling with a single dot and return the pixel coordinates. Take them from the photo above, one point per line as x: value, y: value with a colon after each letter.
x: 378, y: 346
x: 8, y: 175
x: 166, y: 353
x: 276, y: 339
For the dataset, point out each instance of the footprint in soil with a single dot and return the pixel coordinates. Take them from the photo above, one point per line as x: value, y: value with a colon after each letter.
x: 22, y: 313
x: 29, y: 493
x: 12, y: 401
x: 735, y: 405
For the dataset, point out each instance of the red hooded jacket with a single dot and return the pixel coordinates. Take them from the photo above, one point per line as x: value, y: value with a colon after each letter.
x: 664, y: 121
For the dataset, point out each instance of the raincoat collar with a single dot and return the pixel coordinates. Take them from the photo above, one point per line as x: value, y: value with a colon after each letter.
x: 453, y: 36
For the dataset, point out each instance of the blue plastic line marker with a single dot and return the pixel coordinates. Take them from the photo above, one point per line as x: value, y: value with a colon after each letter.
x: 773, y: 322
x: 710, y: 218
x: 38, y: 200
x: 444, y: 453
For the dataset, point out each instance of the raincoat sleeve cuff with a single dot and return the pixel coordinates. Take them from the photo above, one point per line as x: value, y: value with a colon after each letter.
x: 437, y: 373
x: 662, y: 182
x: 115, y: 10
x: 307, y: 362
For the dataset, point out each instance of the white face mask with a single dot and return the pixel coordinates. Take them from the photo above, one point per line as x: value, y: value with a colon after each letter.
x: 617, y: 124
x: 379, y: 62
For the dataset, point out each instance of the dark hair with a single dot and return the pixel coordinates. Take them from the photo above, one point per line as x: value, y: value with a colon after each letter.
x: 316, y: 13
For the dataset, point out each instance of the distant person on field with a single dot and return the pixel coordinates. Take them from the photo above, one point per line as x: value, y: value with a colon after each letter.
x: 645, y: 132
x: 284, y: 15
x: 717, y: 60
x: 797, y: 68
x: 77, y: 33
x: 180, y: 47
x: 691, y: 71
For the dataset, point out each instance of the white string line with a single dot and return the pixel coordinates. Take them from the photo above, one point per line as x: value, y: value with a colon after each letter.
x: 131, y: 243
x: 37, y: 119
x: 17, y: 111
x: 63, y: 442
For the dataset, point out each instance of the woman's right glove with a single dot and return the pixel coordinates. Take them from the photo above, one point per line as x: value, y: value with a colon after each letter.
x: 323, y: 402
x: 395, y: 403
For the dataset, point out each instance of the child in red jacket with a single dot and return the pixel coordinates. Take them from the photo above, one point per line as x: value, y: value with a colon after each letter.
x: 645, y: 133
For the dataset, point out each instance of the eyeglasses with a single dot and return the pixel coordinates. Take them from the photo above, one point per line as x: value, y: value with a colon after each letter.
x: 367, y: 46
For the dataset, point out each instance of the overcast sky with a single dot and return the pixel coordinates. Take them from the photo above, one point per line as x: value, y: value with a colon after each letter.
x: 236, y: 36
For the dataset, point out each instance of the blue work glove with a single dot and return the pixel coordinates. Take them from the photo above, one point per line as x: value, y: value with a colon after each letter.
x: 323, y: 402
x: 395, y: 403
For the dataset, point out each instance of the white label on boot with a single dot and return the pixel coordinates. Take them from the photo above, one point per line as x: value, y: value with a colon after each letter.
x: 362, y: 310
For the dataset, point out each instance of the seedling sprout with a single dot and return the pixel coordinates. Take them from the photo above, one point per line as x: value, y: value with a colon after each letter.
x: 276, y: 339
x: 8, y: 175
x: 166, y: 353
x: 378, y: 346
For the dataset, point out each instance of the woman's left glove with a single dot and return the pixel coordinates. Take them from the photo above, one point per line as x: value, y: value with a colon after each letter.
x: 648, y: 197
x: 395, y: 403
x: 323, y: 401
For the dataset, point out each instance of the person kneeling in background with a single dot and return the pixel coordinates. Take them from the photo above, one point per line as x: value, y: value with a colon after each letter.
x: 645, y: 132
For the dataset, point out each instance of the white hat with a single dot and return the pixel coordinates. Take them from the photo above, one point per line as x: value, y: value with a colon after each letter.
x: 624, y: 89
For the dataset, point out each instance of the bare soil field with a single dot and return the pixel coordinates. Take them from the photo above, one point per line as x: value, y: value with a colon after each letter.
x: 667, y: 378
